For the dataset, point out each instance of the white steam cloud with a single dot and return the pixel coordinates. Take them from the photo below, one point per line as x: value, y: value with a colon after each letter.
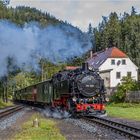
x: 56, y: 113
x: 30, y: 43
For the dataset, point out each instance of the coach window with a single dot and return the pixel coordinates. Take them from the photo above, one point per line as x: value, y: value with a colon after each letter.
x: 46, y: 88
x: 54, y: 92
x: 129, y: 74
x: 113, y: 62
x: 123, y: 62
x: 118, y: 75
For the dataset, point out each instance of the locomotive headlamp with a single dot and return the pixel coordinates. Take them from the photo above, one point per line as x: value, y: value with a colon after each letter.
x: 74, y: 99
x: 107, y: 99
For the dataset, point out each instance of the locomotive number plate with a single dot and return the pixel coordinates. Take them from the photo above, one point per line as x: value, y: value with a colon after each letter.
x: 89, y: 85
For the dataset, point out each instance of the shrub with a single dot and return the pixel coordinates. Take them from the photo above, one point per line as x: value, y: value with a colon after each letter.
x: 128, y: 84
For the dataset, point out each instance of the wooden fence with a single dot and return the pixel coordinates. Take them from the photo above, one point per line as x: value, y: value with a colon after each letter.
x: 133, y: 96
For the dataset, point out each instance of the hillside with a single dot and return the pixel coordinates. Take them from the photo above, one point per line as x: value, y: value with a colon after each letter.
x: 21, y: 15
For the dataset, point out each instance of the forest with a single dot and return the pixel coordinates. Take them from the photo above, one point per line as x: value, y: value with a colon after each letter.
x: 122, y: 31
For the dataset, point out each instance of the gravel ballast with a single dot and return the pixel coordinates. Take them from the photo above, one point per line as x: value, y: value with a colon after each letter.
x: 9, y: 121
x: 12, y: 125
x: 78, y: 129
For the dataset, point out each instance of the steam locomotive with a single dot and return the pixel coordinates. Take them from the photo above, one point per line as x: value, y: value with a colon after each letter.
x: 77, y: 91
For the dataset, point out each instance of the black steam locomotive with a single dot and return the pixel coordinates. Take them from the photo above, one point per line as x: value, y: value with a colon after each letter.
x: 78, y: 91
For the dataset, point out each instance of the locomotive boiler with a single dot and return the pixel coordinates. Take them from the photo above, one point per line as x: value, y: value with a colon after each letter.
x: 78, y: 91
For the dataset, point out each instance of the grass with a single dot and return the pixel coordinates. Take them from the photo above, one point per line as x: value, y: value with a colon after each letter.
x: 124, y: 110
x: 3, y: 104
x: 47, y: 130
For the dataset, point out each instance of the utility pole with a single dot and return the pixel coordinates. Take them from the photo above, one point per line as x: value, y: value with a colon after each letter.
x: 42, y: 72
x: 42, y: 69
x: 5, y: 90
x: 3, y: 95
x: 6, y: 93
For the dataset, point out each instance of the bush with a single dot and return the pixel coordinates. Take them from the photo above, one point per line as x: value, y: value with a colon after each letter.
x: 128, y: 84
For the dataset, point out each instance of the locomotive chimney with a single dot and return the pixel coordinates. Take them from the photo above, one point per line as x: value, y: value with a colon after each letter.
x: 85, y: 66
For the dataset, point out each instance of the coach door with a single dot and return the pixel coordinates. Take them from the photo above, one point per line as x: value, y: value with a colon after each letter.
x: 47, y: 92
x: 50, y: 93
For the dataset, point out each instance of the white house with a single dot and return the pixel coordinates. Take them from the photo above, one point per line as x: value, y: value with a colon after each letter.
x: 113, y: 64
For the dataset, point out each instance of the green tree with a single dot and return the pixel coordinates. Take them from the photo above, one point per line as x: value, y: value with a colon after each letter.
x: 133, y: 11
x: 90, y: 33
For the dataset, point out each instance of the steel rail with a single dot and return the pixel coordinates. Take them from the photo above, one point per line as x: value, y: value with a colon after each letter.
x: 117, y: 126
x: 10, y: 111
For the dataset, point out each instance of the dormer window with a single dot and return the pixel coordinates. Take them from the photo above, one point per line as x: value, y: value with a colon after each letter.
x: 113, y: 62
x: 123, y: 62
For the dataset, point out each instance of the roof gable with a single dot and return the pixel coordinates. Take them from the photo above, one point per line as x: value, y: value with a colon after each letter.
x: 100, y: 57
x: 116, y: 53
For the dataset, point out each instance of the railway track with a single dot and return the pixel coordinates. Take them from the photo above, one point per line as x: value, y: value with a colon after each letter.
x: 123, y: 129
x: 10, y: 111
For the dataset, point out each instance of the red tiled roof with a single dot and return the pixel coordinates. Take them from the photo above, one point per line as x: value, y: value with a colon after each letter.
x: 71, y: 67
x: 100, y: 57
x: 116, y: 53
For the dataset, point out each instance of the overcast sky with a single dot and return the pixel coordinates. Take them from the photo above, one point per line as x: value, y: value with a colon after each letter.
x: 80, y: 12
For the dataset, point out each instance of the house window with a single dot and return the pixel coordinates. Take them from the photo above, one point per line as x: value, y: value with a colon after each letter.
x: 129, y: 74
x: 112, y: 62
x: 123, y: 62
x: 118, y: 75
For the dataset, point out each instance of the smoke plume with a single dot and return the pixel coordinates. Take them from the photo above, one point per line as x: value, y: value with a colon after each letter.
x: 28, y: 44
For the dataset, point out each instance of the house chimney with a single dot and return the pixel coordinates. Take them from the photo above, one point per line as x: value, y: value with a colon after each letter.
x: 91, y: 54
